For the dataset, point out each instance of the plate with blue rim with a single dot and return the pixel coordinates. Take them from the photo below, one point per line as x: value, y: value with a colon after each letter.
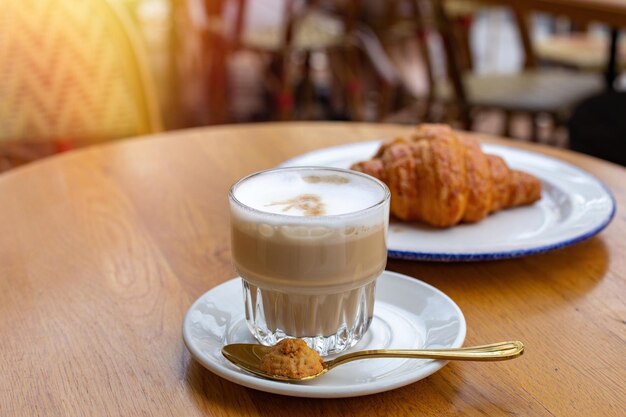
x: 574, y: 206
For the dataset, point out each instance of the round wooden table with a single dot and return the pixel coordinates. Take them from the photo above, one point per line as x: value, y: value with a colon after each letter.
x: 103, y: 250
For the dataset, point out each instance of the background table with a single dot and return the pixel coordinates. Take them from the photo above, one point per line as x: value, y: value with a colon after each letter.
x: 609, y: 12
x: 103, y: 250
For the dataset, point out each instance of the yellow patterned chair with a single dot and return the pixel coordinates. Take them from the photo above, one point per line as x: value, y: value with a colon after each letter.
x: 72, y: 73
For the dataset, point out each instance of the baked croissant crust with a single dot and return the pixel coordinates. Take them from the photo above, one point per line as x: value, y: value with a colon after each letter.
x: 440, y: 178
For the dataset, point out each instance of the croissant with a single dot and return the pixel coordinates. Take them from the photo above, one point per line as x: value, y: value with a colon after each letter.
x: 440, y: 178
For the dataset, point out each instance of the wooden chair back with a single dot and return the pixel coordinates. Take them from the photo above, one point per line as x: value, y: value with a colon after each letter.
x: 434, y: 20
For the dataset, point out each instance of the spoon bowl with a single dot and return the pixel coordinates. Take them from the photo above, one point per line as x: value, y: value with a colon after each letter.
x: 249, y: 356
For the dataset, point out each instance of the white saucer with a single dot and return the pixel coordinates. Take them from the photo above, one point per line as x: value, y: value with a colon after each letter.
x: 574, y: 206
x: 408, y: 314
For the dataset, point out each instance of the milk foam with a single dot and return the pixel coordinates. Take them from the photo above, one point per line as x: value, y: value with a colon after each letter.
x: 295, y: 192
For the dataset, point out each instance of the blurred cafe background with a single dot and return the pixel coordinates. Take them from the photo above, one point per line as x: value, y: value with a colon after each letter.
x: 79, y: 72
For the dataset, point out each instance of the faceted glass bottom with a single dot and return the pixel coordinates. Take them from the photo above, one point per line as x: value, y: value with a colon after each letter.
x: 329, y: 323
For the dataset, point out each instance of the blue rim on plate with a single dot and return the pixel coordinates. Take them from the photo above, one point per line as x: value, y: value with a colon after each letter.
x: 494, y: 256
x: 343, y: 155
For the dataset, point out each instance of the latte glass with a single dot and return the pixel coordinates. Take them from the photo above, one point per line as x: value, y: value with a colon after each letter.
x: 309, y: 244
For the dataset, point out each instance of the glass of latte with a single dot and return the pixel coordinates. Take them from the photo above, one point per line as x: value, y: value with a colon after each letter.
x: 309, y: 244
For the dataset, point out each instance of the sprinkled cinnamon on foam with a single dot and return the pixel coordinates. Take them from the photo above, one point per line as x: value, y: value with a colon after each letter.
x: 312, y: 193
x: 328, y: 179
x: 308, y: 204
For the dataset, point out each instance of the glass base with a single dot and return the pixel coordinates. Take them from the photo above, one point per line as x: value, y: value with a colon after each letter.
x: 329, y: 323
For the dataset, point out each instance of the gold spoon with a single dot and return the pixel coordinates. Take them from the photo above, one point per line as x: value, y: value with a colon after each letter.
x: 248, y: 356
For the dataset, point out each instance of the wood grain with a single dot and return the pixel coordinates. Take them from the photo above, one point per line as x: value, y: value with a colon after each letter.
x: 103, y: 250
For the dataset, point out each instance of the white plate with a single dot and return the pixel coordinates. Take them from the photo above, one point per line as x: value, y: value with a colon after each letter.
x: 408, y: 314
x: 574, y: 206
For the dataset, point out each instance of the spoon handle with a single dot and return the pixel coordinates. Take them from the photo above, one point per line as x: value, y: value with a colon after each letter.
x: 493, y: 352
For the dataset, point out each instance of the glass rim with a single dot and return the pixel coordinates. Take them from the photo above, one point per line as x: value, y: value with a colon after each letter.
x: 386, y: 193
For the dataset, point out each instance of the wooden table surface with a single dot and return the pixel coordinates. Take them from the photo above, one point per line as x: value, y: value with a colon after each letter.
x: 103, y: 250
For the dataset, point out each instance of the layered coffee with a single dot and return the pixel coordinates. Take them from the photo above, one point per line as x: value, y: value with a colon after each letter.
x: 309, y: 244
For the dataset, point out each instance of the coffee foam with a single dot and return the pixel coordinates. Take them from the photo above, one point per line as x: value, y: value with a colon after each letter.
x: 309, y: 193
x: 308, y: 234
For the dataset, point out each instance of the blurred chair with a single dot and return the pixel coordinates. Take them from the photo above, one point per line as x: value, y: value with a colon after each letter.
x: 598, y: 127
x: 305, y: 27
x: 531, y: 91
x: 461, y: 15
x: 72, y: 75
